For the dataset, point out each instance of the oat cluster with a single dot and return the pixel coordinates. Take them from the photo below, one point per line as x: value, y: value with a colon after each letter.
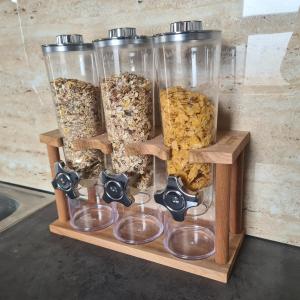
x: 127, y: 102
x: 79, y: 116
x: 188, y: 123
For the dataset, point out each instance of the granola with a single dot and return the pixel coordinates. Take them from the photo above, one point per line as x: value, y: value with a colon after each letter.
x: 127, y: 101
x: 188, y: 123
x: 79, y: 116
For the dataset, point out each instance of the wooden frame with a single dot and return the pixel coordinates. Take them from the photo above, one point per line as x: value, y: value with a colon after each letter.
x: 227, y: 154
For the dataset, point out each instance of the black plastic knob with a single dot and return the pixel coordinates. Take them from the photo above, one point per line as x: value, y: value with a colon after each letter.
x: 175, y: 199
x: 66, y: 180
x: 115, y: 188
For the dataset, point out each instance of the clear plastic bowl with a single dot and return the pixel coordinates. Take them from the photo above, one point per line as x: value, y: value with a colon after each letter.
x: 190, y: 242
x: 140, y: 223
x: 91, y: 217
x: 89, y: 212
x: 193, y: 238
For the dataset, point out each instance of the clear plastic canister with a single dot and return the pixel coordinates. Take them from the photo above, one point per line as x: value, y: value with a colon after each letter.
x: 125, y: 64
x: 73, y: 80
x: 188, y: 61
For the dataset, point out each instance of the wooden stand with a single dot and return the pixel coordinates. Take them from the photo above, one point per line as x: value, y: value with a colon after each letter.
x: 227, y: 154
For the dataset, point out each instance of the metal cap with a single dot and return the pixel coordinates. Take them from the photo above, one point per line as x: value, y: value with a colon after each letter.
x: 124, y: 32
x: 66, y: 39
x: 122, y: 36
x: 67, y: 42
x: 184, y: 26
x: 186, y: 31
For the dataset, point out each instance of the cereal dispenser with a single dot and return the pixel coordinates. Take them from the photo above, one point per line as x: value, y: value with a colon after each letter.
x: 74, y: 85
x: 125, y: 63
x: 188, y: 65
x: 73, y: 80
x: 195, y: 177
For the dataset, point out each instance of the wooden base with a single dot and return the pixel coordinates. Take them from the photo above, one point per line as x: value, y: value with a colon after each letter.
x: 155, y: 251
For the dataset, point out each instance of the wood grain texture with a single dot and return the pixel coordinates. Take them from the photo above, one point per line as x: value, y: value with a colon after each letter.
x: 225, y: 151
x: 61, y: 204
x: 222, y: 213
x: 155, y: 251
x: 154, y: 147
x: 99, y: 142
x: 236, y: 195
x: 52, y: 138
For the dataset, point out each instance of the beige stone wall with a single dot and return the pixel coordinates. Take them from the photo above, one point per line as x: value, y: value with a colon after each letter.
x: 264, y: 100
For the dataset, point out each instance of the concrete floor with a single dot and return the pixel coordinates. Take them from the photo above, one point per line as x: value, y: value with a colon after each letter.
x: 35, y: 264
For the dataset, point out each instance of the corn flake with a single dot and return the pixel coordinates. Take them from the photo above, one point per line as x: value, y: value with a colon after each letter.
x: 188, y: 123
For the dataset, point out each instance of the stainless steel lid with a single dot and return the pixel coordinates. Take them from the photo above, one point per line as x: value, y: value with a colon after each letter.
x: 64, y: 39
x: 122, y: 36
x: 124, y: 32
x: 184, y: 26
x: 67, y: 42
x: 185, y: 31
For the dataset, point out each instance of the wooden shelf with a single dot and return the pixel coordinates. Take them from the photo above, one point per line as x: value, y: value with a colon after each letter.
x: 52, y: 138
x: 99, y: 142
x: 154, y: 147
x: 155, y: 251
x: 228, y: 147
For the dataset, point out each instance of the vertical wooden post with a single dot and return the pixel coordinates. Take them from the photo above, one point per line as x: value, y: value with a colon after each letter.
x: 236, y: 195
x: 61, y: 205
x: 222, y: 212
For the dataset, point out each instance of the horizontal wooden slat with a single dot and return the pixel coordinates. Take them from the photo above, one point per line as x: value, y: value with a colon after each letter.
x: 52, y: 138
x: 155, y: 251
x: 225, y: 151
x: 227, y: 148
x: 154, y: 147
x: 99, y: 142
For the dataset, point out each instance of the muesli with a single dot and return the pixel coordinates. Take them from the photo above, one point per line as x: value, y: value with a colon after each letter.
x: 79, y: 116
x: 127, y: 101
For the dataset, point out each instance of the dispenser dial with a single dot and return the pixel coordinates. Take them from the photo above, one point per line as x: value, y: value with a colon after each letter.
x: 176, y: 199
x: 115, y: 188
x: 66, y: 180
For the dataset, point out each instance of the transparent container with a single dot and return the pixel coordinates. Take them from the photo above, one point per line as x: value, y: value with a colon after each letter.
x: 140, y: 223
x: 188, y: 60
x: 228, y: 68
x: 194, y: 237
x: 125, y: 64
x: 73, y: 80
x: 87, y: 210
